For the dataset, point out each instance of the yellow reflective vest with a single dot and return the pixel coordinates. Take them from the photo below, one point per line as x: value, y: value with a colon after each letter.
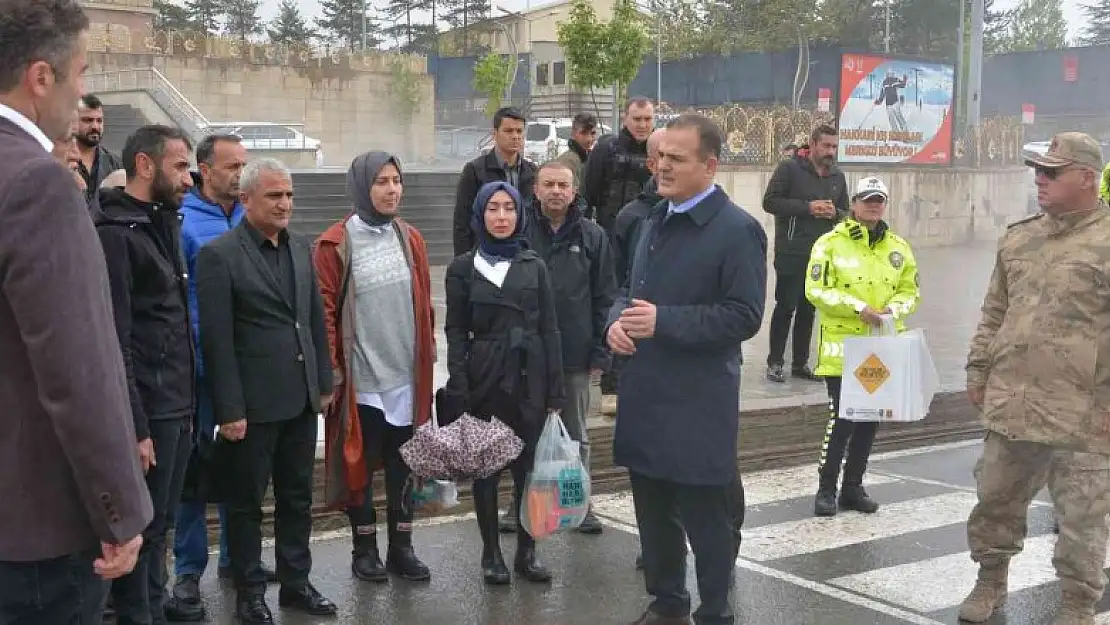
x: 848, y: 271
x: 1104, y: 188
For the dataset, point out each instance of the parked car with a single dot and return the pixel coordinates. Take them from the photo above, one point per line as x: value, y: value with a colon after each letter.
x: 262, y: 136
x: 546, y: 138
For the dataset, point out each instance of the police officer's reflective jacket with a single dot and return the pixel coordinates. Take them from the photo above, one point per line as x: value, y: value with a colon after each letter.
x: 616, y: 172
x: 851, y: 267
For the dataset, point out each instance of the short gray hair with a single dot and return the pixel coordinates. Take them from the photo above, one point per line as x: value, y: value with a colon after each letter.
x: 254, y: 170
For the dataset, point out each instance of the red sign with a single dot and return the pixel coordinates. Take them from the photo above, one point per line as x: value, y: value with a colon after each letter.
x: 1071, y: 68
x: 895, y: 111
x: 824, y: 100
x: 1028, y: 112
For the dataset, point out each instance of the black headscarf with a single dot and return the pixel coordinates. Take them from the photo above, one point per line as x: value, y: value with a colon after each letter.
x: 360, y: 178
x: 492, y: 248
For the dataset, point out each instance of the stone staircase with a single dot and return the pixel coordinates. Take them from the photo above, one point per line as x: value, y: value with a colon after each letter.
x: 428, y: 203
x: 120, y: 121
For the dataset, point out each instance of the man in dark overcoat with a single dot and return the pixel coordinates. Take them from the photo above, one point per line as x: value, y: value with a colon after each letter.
x: 695, y: 292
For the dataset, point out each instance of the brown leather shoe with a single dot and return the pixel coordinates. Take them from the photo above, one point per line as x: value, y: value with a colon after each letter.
x: 651, y: 618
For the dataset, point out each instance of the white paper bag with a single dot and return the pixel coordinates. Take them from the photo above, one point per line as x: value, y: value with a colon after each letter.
x: 887, y: 378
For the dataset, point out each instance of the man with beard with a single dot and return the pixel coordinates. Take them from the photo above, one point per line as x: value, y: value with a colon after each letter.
x: 579, y: 263
x: 807, y: 195
x: 208, y: 211
x: 96, y: 162
x: 141, y: 236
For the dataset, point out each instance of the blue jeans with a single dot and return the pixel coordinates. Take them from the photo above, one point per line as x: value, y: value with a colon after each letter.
x: 190, y: 541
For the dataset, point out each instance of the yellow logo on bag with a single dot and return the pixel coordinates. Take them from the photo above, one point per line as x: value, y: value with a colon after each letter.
x: 872, y: 373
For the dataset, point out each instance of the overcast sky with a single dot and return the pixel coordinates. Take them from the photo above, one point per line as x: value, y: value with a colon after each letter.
x: 1072, y: 9
x: 1073, y: 12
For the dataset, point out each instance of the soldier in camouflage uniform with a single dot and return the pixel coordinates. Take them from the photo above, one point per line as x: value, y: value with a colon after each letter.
x: 1039, y: 368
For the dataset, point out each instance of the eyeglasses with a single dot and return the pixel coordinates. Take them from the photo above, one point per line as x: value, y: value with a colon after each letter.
x: 1050, y: 172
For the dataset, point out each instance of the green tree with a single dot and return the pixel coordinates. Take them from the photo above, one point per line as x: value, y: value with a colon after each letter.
x: 1097, y: 28
x: 847, y: 23
x: 289, y: 27
x: 241, y: 18
x: 204, y: 15
x: 405, y: 27
x: 1038, y: 25
x: 343, y: 22
x: 408, y: 96
x: 602, y: 54
x: 466, y: 17
x: 628, y: 43
x: 491, y: 78
x: 171, y: 16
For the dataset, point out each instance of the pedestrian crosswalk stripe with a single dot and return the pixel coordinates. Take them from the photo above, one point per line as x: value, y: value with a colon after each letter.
x: 792, y: 538
x: 942, y: 582
x: 766, y: 487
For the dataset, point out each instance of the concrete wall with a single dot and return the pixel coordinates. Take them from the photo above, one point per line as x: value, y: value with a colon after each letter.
x: 929, y: 207
x: 349, y: 111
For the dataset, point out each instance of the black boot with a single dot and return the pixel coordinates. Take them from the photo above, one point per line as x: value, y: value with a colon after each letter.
x: 494, y: 570
x: 366, y: 564
x: 825, y: 502
x: 401, y: 559
x: 526, y: 563
x: 508, y: 521
x: 853, y: 497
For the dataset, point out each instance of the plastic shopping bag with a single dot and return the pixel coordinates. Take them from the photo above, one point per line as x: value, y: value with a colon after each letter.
x: 889, y: 377
x: 430, y: 496
x: 557, y: 493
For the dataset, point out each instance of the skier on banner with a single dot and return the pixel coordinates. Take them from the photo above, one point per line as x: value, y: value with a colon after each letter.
x: 888, y: 94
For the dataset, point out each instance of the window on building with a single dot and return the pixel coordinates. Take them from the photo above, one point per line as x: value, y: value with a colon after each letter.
x: 560, y: 73
x: 541, y: 75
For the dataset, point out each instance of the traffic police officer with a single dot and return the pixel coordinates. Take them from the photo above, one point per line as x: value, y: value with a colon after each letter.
x: 858, y: 272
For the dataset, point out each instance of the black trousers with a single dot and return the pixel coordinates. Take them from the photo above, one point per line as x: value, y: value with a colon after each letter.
x: 58, y: 591
x: 666, y: 514
x: 381, y: 445
x: 285, y: 450
x: 842, y: 435
x: 791, y: 305
x: 138, y: 596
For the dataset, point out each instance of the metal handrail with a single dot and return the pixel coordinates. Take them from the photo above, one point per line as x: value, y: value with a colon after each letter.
x: 161, y: 89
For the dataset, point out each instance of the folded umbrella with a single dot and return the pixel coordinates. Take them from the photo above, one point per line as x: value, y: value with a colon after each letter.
x: 466, y: 448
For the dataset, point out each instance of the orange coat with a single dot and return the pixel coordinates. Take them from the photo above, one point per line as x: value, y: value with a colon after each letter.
x: 347, y: 475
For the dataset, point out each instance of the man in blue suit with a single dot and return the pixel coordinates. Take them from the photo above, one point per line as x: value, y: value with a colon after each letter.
x: 695, y: 291
x: 210, y: 210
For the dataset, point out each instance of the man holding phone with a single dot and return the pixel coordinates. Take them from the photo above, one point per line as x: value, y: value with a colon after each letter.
x: 807, y: 195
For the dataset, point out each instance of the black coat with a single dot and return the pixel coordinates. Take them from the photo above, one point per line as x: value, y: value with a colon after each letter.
x: 616, y: 172
x: 793, y: 186
x: 265, y: 357
x: 678, y: 408
x: 149, y: 285
x: 476, y: 173
x: 503, y: 346
x: 579, y: 262
x: 626, y: 234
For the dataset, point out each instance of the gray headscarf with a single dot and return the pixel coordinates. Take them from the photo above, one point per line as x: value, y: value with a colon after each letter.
x: 360, y: 178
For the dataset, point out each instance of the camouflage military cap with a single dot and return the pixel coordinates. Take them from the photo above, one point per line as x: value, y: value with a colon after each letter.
x: 1068, y: 148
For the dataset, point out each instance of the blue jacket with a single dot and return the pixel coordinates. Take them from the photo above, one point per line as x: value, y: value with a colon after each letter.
x: 201, y: 222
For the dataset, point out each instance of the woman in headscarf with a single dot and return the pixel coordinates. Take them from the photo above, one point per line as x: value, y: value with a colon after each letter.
x: 373, y: 273
x: 503, y: 356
